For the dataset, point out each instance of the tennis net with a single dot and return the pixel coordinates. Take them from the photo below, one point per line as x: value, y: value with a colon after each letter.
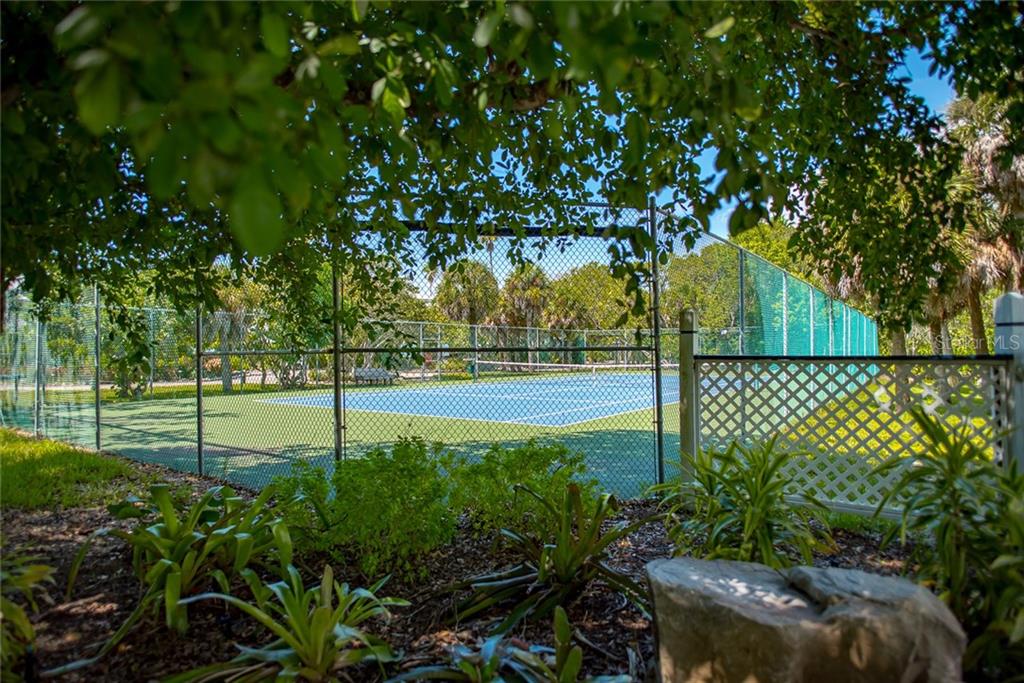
x: 494, y: 369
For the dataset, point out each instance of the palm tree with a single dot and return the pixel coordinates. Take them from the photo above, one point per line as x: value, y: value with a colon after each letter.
x: 468, y: 293
x: 982, y: 128
x: 524, y: 298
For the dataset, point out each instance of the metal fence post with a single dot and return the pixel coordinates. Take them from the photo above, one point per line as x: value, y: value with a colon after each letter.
x: 832, y: 330
x: 810, y: 319
x: 1009, y: 340
x: 37, y: 394
x: 785, y: 314
x: 423, y: 362
x: 96, y: 349
x: 846, y: 331
x: 743, y: 302
x: 152, y: 352
x: 659, y: 411
x: 199, y: 389
x: 473, y: 342
x: 339, y: 424
x: 688, y: 406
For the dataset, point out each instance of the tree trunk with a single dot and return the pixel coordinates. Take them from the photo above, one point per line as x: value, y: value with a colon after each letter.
x: 935, y: 334
x: 979, y: 334
x: 947, y: 343
x: 898, y: 342
x: 901, y: 371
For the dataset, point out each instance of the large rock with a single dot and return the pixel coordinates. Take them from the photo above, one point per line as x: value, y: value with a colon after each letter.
x: 738, y: 622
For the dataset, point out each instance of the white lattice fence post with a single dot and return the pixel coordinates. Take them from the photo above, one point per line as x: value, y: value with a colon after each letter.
x: 1009, y: 338
x: 689, y: 405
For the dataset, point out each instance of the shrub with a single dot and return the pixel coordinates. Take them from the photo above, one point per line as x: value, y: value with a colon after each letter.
x: 315, y: 639
x: 386, y: 508
x: 735, y: 506
x: 37, y: 473
x: 174, y: 555
x: 20, y: 578
x: 488, y: 488
x: 972, y: 512
x: 556, y: 566
x: 497, y: 659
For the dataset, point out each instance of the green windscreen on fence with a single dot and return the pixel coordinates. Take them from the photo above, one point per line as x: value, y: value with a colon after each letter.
x: 746, y: 305
x: 821, y: 313
x: 798, y: 317
x: 765, y: 315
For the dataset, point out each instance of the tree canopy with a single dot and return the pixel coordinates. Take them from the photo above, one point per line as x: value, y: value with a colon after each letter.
x: 167, y: 135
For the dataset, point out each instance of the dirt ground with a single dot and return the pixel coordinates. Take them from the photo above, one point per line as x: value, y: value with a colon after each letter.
x: 617, y: 638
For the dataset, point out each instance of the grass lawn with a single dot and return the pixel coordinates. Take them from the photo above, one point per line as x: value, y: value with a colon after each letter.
x: 36, y: 473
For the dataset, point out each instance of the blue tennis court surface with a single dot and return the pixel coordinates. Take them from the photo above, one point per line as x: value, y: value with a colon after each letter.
x: 558, y: 401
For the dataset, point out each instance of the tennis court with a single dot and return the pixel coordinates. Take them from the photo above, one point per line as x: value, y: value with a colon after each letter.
x: 560, y: 398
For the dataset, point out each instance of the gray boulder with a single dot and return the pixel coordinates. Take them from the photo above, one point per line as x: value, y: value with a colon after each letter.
x: 739, y: 622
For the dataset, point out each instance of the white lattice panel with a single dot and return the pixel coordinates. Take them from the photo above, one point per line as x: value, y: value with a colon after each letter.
x: 847, y: 415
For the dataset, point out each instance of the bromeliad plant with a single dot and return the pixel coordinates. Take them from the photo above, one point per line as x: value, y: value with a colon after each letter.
x: 318, y: 634
x: 735, y: 505
x: 557, y: 564
x: 969, y: 511
x: 498, y: 659
x: 20, y: 577
x: 178, y: 553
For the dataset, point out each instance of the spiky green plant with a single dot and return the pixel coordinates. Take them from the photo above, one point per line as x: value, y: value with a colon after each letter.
x: 737, y: 505
x: 177, y: 553
x: 317, y: 631
x: 968, y: 513
x: 20, y: 577
x: 557, y: 563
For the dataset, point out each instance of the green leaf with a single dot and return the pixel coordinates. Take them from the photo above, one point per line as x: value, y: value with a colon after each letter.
x: 275, y: 32
x: 283, y: 540
x: 98, y: 95
x: 291, y: 180
x: 163, y: 173
x: 254, y: 213
x: 359, y: 8
x: 485, y: 29
x: 721, y: 28
x: 345, y: 44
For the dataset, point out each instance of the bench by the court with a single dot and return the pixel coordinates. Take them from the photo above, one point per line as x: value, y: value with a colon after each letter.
x: 372, y: 376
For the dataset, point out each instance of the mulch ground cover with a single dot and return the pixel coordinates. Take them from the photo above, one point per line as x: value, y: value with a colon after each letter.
x: 616, y: 637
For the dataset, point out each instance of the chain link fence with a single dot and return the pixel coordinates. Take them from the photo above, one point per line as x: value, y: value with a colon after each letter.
x: 487, y: 352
